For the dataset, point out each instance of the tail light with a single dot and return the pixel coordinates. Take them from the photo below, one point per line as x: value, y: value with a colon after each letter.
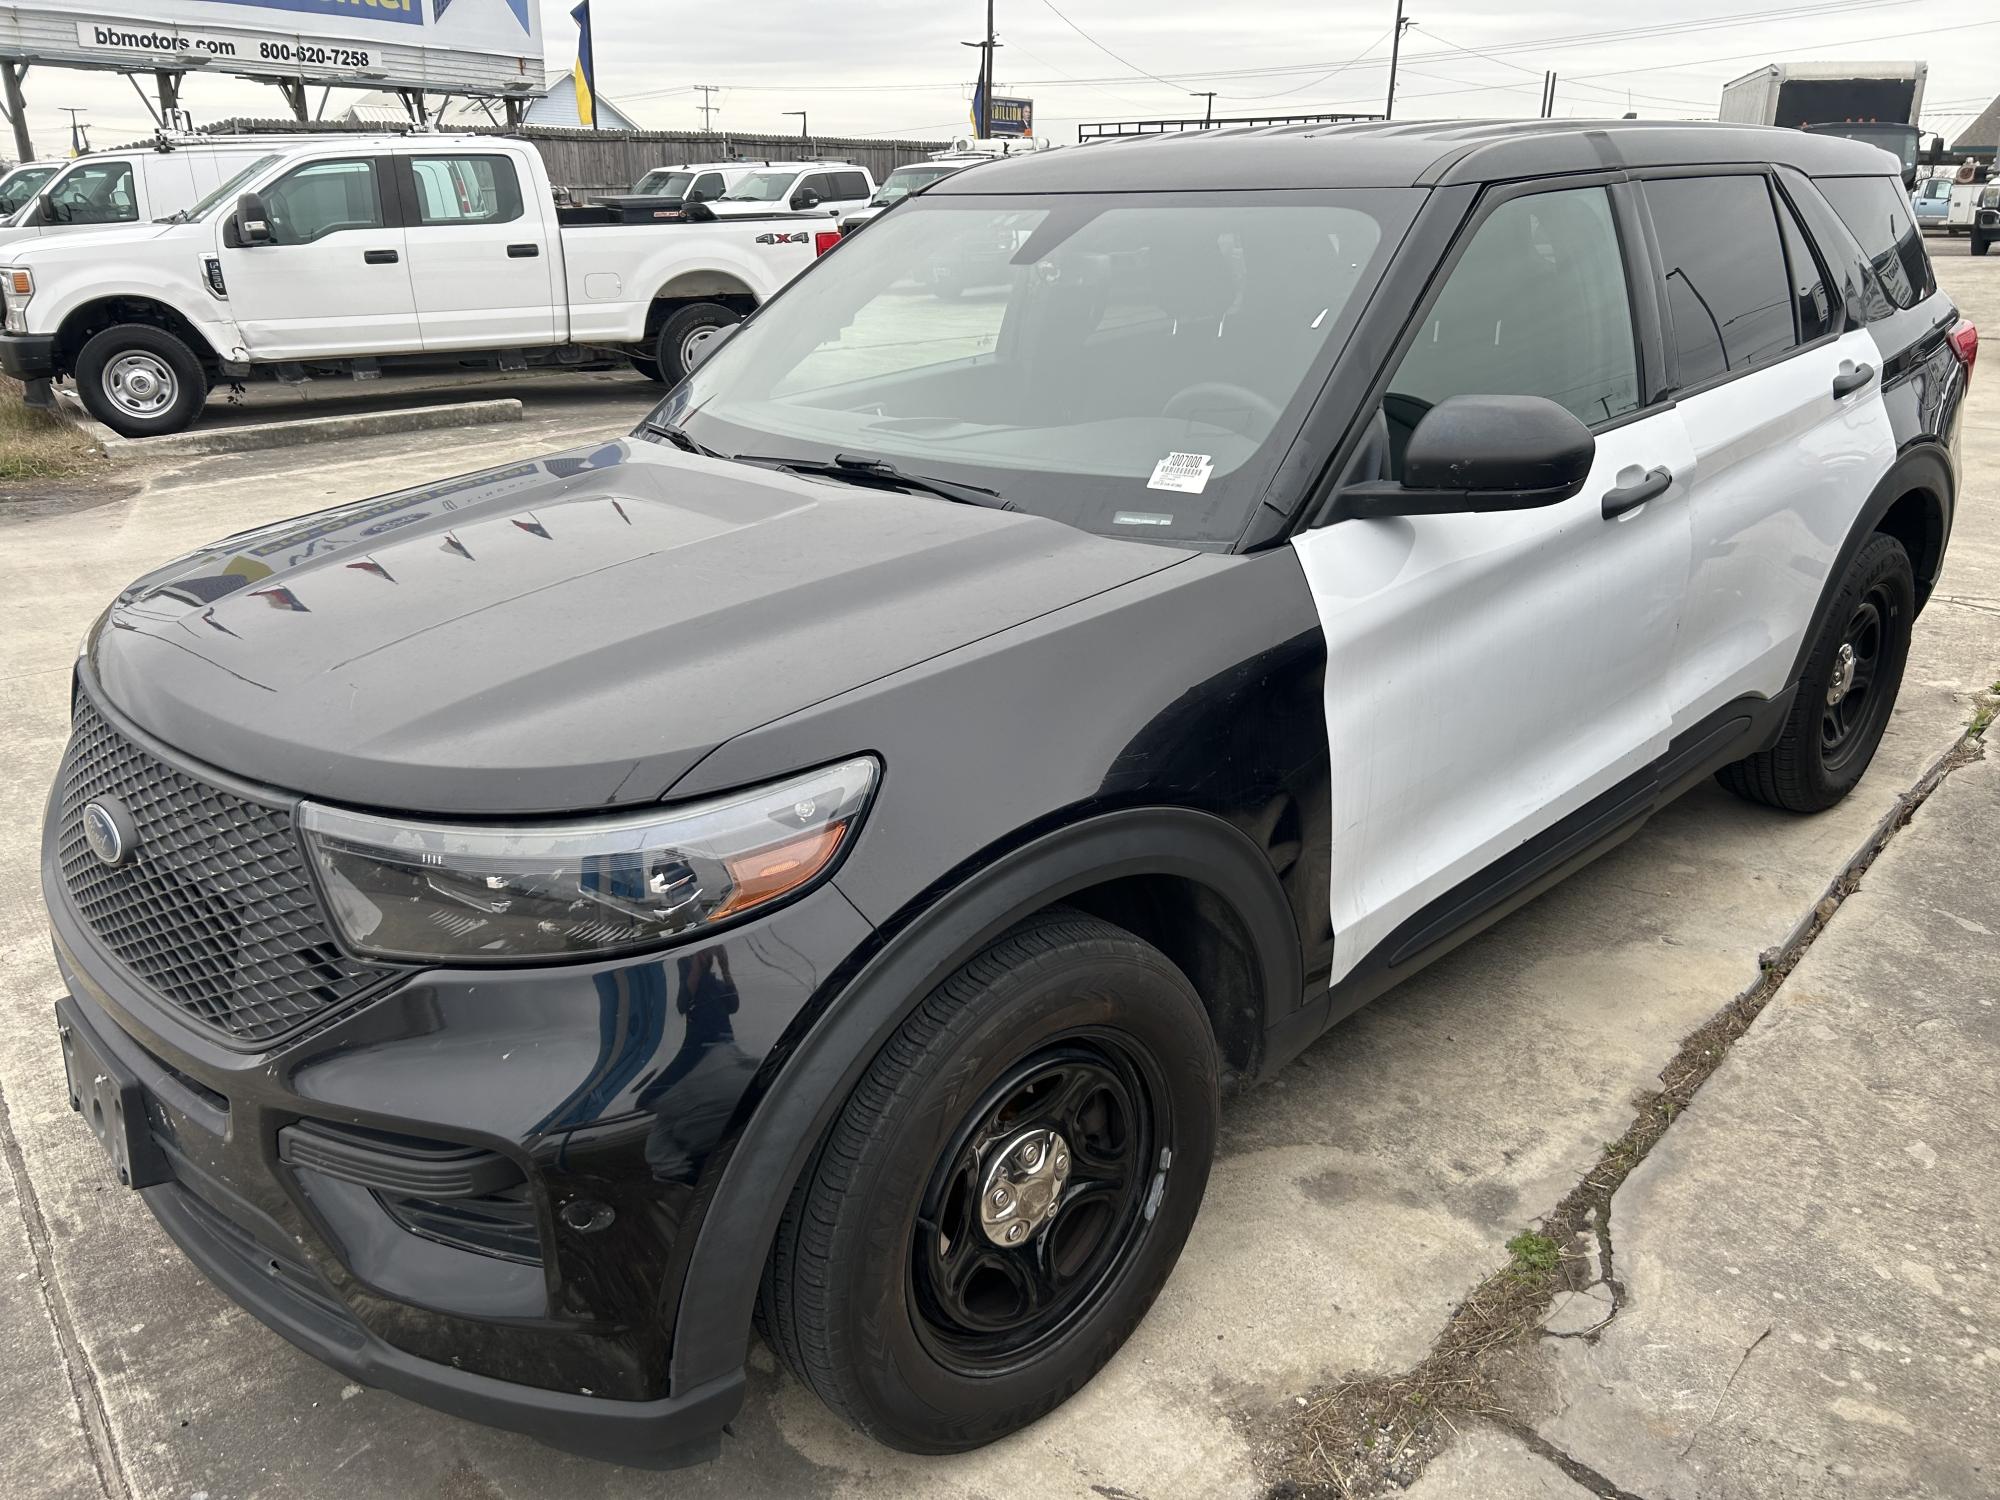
x: 825, y: 239
x: 1965, y: 343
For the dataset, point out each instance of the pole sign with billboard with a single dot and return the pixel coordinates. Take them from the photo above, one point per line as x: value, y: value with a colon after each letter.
x: 1011, y: 117
x: 440, y: 46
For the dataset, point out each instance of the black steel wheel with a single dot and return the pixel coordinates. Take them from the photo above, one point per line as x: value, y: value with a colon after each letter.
x: 1005, y: 1191
x: 1034, y: 1202
x: 1843, y: 700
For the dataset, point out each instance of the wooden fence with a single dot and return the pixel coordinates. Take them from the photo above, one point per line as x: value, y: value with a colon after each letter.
x: 591, y: 163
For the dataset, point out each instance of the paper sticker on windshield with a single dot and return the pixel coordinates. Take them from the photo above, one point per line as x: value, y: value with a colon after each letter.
x: 1185, y: 472
x: 1141, y: 518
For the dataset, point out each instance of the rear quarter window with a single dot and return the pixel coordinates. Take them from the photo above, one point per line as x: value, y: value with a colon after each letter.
x: 1877, y: 214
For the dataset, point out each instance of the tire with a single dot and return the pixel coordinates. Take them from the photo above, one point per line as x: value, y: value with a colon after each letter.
x: 140, y: 380
x: 1980, y: 244
x: 684, y: 328
x: 857, y: 1295
x: 650, y: 368
x: 1859, y: 654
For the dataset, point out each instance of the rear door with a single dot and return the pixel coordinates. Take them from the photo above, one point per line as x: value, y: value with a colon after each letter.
x: 1488, y: 675
x: 333, y: 280
x: 1783, y: 411
x: 482, y: 257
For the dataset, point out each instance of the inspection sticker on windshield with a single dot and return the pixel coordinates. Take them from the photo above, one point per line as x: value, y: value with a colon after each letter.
x: 1185, y: 472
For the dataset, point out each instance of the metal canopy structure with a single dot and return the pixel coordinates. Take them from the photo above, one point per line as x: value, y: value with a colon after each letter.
x: 1109, y: 130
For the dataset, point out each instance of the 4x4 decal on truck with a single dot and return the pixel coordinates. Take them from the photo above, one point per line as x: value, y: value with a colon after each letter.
x: 784, y: 239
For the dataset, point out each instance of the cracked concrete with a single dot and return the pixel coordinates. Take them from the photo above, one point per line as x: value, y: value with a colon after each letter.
x: 1356, y: 1199
x: 1825, y: 1323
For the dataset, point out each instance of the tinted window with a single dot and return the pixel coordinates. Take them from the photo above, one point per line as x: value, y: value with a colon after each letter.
x: 101, y: 193
x: 815, y: 182
x: 1537, y: 306
x: 849, y: 185
x: 322, y: 198
x: 706, y: 187
x: 1727, y: 286
x: 1878, y: 216
x: 1811, y: 303
x: 466, y: 189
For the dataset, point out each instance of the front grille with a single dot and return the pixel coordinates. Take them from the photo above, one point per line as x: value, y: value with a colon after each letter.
x: 213, y: 910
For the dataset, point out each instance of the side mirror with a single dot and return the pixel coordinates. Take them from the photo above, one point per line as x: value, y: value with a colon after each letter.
x: 53, y: 212
x: 1481, y: 453
x: 805, y: 198
x: 699, y: 354
x: 253, y: 223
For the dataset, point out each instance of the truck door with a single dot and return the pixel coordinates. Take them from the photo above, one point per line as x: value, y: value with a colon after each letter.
x: 332, y: 280
x: 482, y: 257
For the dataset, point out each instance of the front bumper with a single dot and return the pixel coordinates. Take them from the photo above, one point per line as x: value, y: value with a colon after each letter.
x: 607, y: 1086
x: 28, y: 356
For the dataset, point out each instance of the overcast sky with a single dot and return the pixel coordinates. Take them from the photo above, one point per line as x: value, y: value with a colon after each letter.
x: 895, y: 67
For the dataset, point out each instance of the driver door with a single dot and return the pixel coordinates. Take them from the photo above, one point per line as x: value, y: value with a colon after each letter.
x: 1489, y: 674
x: 334, y: 280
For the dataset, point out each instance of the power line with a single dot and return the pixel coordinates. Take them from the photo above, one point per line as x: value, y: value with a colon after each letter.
x: 1857, y: 41
x: 1106, y: 50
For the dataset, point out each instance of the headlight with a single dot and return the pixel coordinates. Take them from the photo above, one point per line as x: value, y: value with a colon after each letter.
x: 472, y: 893
x: 19, y: 282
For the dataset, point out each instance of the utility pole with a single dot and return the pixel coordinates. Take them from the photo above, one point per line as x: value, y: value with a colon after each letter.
x: 983, y: 122
x: 707, y: 106
x: 1548, y: 96
x: 1395, y: 53
x: 1208, y: 109
x: 803, y: 132
x: 77, y: 144
x: 11, y: 74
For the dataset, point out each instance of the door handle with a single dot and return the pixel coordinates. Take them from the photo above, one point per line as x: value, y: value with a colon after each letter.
x: 523, y: 252
x: 380, y: 257
x: 1851, y: 379
x: 1632, y: 496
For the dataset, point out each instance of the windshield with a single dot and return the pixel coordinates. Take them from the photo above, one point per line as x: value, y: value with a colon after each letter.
x: 223, y: 193
x: 662, y: 183
x: 1132, y: 364
x: 19, y: 185
x: 761, y: 187
x: 904, y: 181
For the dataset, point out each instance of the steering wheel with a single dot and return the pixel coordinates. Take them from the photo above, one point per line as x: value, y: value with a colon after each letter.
x: 1211, y: 395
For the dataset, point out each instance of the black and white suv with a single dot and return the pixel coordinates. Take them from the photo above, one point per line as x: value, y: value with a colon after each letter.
x: 816, y: 862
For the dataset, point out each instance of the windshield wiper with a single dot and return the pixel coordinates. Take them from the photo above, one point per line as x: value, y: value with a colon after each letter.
x: 879, y: 471
x: 680, y: 439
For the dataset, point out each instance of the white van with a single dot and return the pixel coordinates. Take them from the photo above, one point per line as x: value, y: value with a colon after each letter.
x: 135, y: 186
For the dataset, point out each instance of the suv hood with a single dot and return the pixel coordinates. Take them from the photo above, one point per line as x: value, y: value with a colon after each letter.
x: 567, y: 632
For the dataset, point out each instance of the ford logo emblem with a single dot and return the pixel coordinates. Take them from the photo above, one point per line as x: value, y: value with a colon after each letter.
x: 108, y: 829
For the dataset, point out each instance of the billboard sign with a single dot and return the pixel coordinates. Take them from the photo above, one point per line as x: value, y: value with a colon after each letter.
x: 1011, y: 117
x: 440, y: 46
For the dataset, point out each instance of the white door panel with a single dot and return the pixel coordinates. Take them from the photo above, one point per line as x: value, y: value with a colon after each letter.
x: 1489, y: 674
x: 1781, y: 470
x: 482, y: 254
x: 326, y: 298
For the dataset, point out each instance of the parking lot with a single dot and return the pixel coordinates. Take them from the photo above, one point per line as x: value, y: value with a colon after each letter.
x: 1356, y: 1200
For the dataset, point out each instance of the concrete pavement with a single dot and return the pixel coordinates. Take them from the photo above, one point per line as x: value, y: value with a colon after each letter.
x: 1813, y: 1287
x: 1357, y: 1198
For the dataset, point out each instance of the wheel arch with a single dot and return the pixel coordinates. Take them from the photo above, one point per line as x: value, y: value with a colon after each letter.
x: 1913, y: 503
x: 89, y: 318
x: 709, y: 285
x: 1168, y: 874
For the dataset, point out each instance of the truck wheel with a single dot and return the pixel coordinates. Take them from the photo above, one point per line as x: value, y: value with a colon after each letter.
x: 140, y: 380
x: 1848, y: 690
x: 1980, y: 244
x: 1005, y: 1191
x: 650, y: 368
x: 686, y: 330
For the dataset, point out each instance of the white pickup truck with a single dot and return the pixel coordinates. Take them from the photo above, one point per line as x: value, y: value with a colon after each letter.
x: 358, y: 255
